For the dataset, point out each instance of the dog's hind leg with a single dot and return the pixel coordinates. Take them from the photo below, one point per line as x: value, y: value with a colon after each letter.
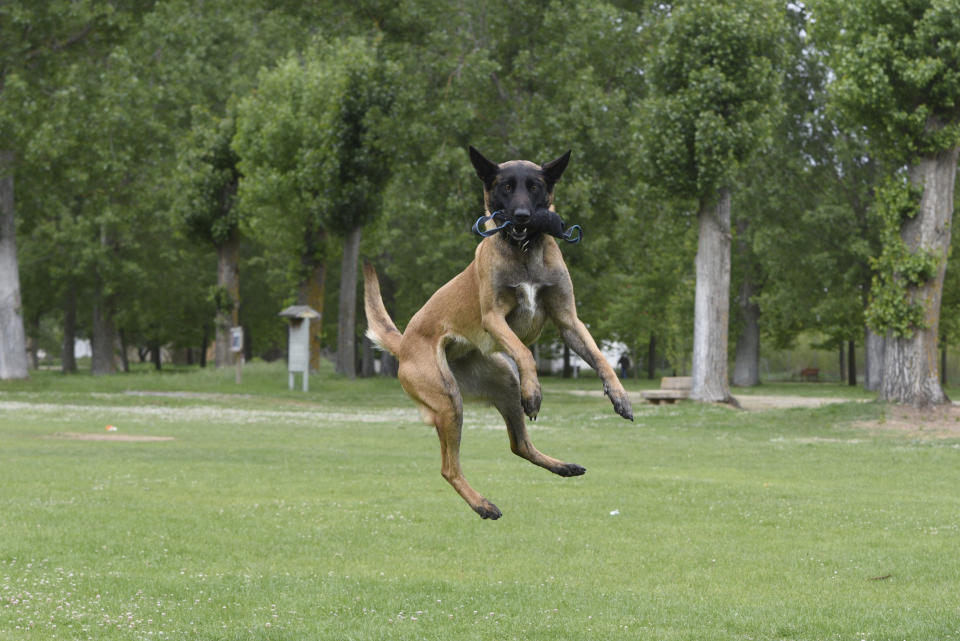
x: 494, y: 379
x: 433, y: 387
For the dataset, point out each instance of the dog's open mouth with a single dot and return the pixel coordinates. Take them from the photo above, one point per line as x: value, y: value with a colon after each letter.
x: 518, y: 232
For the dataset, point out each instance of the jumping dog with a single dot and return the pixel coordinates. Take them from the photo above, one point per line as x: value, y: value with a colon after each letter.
x: 459, y: 342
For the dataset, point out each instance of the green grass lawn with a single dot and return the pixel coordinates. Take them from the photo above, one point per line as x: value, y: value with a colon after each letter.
x: 281, y: 515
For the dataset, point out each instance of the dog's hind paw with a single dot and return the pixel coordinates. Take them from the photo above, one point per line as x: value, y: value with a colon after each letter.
x: 570, y: 469
x: 488, y: 510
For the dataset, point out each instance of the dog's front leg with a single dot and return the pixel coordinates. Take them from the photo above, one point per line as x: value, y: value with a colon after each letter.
x: 576, y: 335
x: 495, y: 324
x: 580, y: 341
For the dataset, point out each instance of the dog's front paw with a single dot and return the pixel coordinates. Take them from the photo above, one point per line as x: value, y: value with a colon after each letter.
x: 621, y: 402
x: 530, y: 399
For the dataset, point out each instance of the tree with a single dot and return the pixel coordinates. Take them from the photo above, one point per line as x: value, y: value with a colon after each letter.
x: 714, y: 81
x: 898, y: 79
x: 772, y: 195
x: 516, y: 82
x: 227, y: 42
x: 211, y: 216
x: 363, y: 168
x: 279, y: 129
x: 34, y: 39
x: 50, y: 55
x: 816, y: 177
x: 310, y: 156
x: 13, y: 346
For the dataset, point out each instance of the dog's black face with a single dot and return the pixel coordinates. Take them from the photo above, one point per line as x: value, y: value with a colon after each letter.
x: 522, y: 190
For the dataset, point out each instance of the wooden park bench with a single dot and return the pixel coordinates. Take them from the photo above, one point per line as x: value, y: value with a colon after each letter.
x: 810, y: 374
x: 672, y: 389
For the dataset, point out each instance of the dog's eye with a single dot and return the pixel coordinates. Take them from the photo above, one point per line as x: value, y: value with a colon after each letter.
x: 533, y: 187
x: 507, y: 187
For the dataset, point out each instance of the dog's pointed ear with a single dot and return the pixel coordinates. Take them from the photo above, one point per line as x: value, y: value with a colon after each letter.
x: 487, y: 170
x: 554, y: 169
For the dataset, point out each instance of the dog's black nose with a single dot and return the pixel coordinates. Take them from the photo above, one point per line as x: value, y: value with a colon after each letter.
x: 521, y: 216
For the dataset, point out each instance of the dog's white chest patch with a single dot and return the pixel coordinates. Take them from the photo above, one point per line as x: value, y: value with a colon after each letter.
x: 526, y: 294
x: 526, y: 319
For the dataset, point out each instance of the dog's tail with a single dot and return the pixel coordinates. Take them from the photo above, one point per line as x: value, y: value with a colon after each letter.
x: 380, y: 327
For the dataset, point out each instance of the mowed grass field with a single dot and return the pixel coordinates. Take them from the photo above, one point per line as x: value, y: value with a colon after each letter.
x: 260, y: 513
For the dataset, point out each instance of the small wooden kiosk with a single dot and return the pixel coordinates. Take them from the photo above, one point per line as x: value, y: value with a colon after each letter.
x: 298, y: 344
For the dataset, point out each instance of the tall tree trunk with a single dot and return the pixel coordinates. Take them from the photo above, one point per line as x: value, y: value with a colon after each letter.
x: 204, y: 345
x: 156, y: 357
x: 851, y: 363
x: 712, y: 304
x: 68, y: 358
x: 13, y: 344
x: 842, y: 361
x: 228, y: 298
x: 746, y: 365
x: 943, y: 365
x: 347, y: 313
x: 247, y: 344
x: 33, y: 343
x: 873, y: 360
x: 313, y: 286
x: 367, y: 358
x: 104, y: 335
x: 652, y: 357
x: 910, y: 372
x: 124, y: 357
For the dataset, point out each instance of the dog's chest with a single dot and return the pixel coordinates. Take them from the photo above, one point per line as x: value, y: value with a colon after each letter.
x: 526, y: 318
x: 526, y: 295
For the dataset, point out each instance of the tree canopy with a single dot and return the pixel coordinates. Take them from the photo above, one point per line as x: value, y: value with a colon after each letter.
x: 147, y: 136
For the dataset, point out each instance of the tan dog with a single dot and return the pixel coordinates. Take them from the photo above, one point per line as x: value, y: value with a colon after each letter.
x: 457, y: 344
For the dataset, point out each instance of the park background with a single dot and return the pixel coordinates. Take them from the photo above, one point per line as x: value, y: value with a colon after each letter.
x: 181, y: 168
x: 174, y: 169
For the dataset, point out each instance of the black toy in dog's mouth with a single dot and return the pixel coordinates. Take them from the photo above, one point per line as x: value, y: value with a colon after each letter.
x: 543, y: 221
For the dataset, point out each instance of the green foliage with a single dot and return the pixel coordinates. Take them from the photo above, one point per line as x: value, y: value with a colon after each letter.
x: 897, y: 71
x: 210, y: 211
x: 221, y: 299
x: 650, y: 293
x: 517, y: 82
x: 898, y: 269
x: 714, y: 78
x: 307, y: 141
x: 122, y: 119
x: 361, y: 131
x: 808, y: 201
